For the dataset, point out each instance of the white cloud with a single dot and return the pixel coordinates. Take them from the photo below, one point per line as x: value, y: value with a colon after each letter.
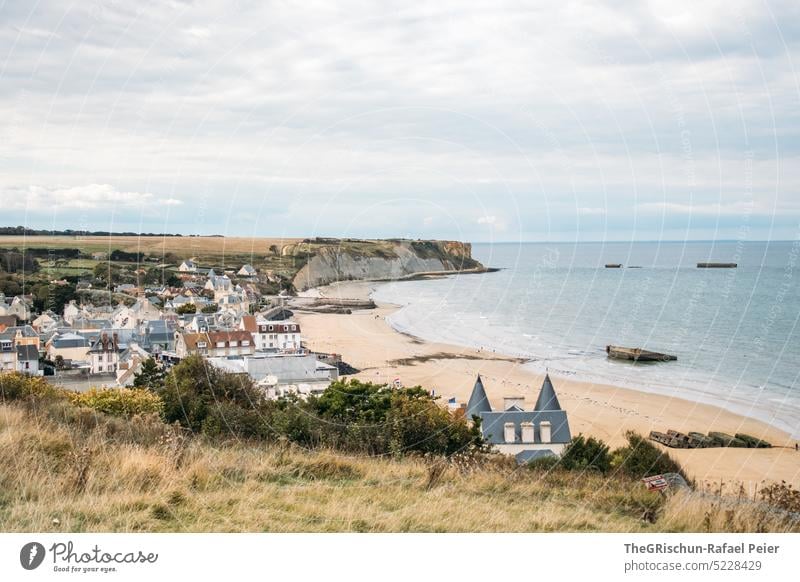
x: 92, y: 197
x: 487, y: 220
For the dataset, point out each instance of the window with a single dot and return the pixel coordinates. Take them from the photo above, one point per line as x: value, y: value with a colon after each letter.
x: 234, y: 343
x: 202, y: 345
x: 220, y: 344
x: 245, y: 344
x: 271, y: 327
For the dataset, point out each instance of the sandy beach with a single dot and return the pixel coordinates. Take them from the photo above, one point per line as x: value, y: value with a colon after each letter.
x: 368, y: 342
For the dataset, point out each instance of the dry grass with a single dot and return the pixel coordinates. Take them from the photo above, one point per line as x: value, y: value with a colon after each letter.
x: 57, y: 477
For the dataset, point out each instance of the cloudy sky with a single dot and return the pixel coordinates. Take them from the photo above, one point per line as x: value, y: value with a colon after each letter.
x: 470, y: 120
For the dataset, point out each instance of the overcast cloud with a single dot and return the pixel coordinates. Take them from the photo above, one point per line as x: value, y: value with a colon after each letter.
x: 469, y: 120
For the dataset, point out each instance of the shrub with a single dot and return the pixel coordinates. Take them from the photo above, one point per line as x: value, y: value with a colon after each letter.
x: 195, y: 390
x: 640, y: 458
x: 118, y: 402
x: 586, y: 454
x: 16, y: 386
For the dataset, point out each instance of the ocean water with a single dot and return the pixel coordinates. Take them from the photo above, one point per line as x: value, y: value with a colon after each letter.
x: 735, y: 331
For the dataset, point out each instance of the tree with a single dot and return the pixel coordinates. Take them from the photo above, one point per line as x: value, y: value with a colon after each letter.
x: 151, y: 375
x: 205, y: 399
x: 186, y: 309
x: 210, y: 308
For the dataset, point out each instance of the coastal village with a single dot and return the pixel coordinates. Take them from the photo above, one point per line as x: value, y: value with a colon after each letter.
x: 219, y: 316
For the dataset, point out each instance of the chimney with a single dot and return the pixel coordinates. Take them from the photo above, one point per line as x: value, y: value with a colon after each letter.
x: 527, y: 432
x: 509, y: 432
x: 510, y: 402
x: 544, y: 431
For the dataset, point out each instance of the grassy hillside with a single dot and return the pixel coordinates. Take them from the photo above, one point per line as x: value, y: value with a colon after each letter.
x: 98, y: 473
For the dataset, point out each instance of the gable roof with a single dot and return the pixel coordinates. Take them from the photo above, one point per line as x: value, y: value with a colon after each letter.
x: 478, y: 401
x: 547, y: 396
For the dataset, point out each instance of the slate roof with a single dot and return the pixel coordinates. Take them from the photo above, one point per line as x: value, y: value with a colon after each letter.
x: 478, y: 401
x: 493, y: 425
x: 547, y: 396
x: 29, y: 353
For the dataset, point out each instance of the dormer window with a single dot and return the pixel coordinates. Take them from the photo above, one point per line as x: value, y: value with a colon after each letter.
x: 245, y: 344
x: 234, y: 344
x: 202, y: 345
x: 220, y: 344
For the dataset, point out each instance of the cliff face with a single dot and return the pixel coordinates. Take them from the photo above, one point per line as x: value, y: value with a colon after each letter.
x: 380, y: 260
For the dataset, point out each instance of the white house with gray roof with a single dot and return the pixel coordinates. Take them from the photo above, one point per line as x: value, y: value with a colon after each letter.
x: 526, y: 434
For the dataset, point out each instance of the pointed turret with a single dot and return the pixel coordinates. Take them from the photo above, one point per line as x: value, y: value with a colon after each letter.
x: 547, y: 396
x: 478, y: 401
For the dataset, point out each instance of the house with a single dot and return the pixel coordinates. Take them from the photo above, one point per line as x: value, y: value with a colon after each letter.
x: 220, y: 284
x: 280, y: 374
x: 18, y: 307
x: 526, y: 434
x: 130, y: 363
x: 273, y: 335
x: 71, y: 312
x: 157, y: 335
x: 198, y: 324
x: 234, y: 303
x: 8, y: 354
x: 124, y: 318
x: 71, y: 347
x: 214, y: 344
x: 99, y: 256
x: 247, y: 271
x: 47, y: 321
x: 28, y: 360
x: 104, y: 354
x: 23, y: 335
x: 188, y: 267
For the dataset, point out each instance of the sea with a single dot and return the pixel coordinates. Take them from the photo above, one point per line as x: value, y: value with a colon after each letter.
x: 735, y: 331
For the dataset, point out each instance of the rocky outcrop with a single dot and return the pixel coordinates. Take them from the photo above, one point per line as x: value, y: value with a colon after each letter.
x: 381, y: 260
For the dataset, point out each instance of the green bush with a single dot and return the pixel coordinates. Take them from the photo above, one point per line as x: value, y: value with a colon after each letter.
x: 194, y: 388
x: 118, y: 401
x: 586, y: 454
x: 640, y: 458
x: 16, y: 386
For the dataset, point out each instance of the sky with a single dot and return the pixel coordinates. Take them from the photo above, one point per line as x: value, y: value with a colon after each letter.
x: 458, y: 119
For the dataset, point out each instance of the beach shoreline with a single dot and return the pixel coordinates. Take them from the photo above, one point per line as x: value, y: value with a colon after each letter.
x: 366, y: 340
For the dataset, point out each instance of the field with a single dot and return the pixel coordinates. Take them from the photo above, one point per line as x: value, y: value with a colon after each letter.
x: 131, y: 476
x: 154, y: 245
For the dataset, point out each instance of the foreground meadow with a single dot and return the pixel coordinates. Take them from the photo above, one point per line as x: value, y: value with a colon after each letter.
x: 111, y: 475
